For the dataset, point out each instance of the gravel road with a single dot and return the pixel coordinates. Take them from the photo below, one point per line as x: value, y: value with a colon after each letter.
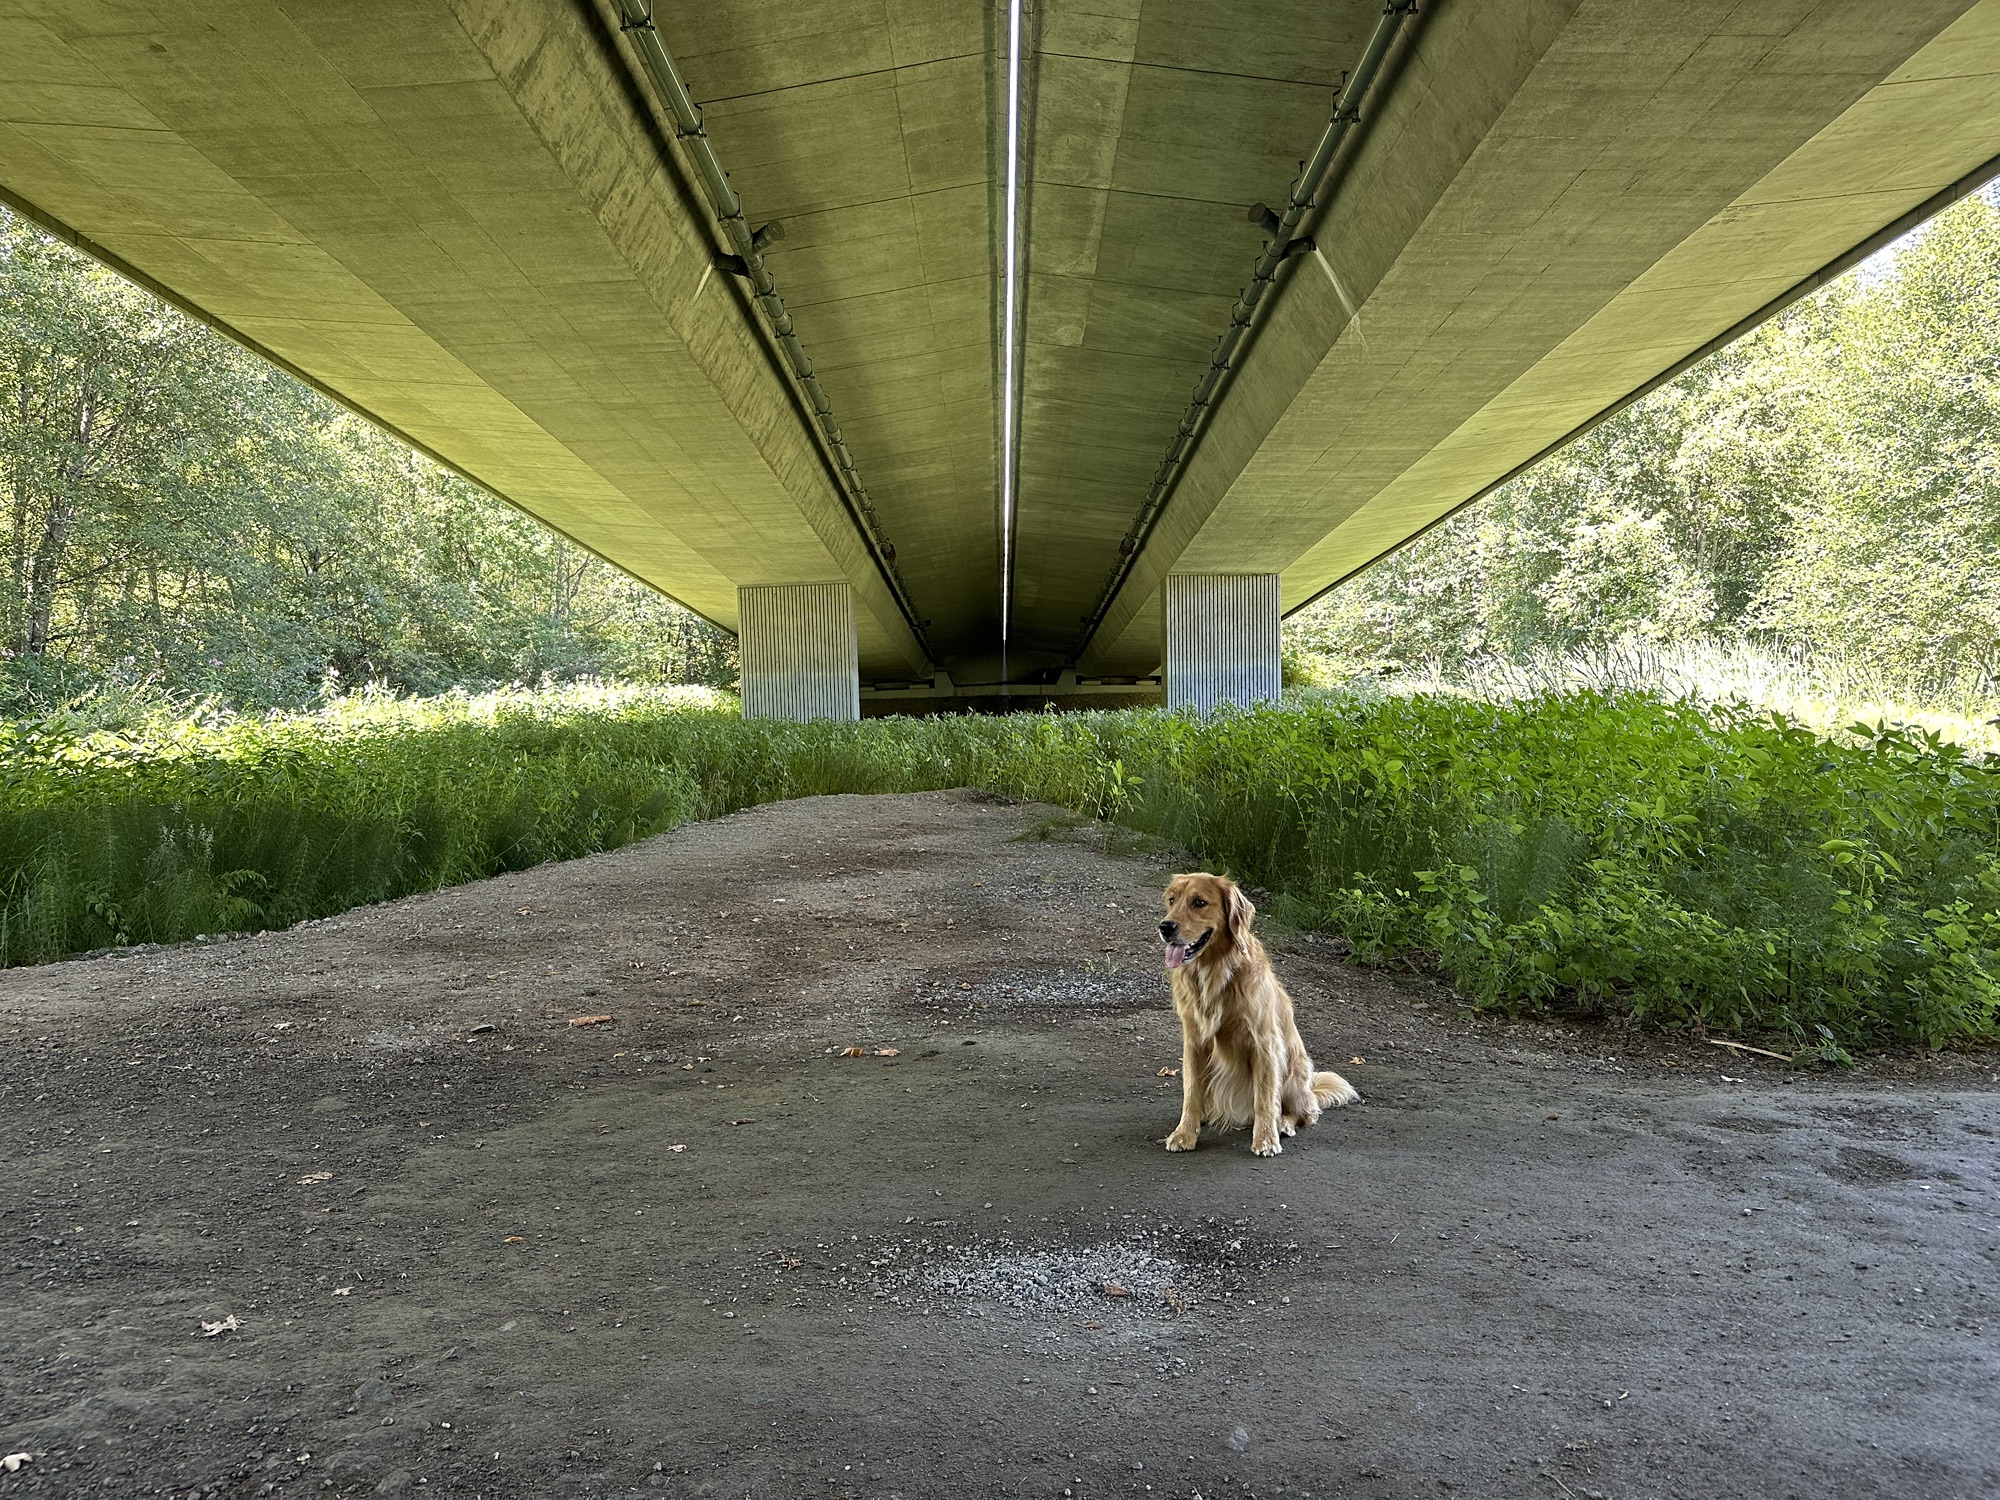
x: 470, y: 1248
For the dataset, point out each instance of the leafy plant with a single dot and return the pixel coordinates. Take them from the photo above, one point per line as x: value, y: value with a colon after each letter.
x: 1589, y: 852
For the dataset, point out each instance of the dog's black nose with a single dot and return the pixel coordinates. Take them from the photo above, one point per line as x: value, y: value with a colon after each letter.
x: 1168, y: 929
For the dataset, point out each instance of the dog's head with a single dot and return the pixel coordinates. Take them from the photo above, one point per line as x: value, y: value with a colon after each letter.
x: 1205, y: 915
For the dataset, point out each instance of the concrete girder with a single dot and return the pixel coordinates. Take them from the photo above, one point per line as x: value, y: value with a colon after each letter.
x: 454, y: 217
x: 465, y: 219
x: 1569, y: 255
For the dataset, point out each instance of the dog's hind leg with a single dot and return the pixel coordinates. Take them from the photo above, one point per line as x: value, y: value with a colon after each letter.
x: 1300, y: 1107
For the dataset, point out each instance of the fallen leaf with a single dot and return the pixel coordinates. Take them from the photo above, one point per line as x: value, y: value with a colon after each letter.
x: 312, y: 1177
x: 524, y: 911
x: 886, y: 1052
x: 588, y: 1020
x: 853, y: 1051
x: 1168, y: 1073
x: 1174, y: 1300
x: 1113, y: 1289
x: 342, y: 1291
x: 215, y: 1330
x: 1092, y: 1323
x: 1356, y: 1061
x: 13, y: 1461
x: 515, y: 1239
x: 677, y: 1148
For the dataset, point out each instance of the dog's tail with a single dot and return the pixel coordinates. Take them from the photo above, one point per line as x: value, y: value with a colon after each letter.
x: 1332, y: 1091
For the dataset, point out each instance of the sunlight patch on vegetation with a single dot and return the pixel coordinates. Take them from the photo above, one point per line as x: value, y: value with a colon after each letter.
x: 1827, y: 696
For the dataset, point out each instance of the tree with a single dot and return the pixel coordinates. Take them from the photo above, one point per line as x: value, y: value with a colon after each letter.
x: 1892, y: 559
x: 1833, y: 480
x: 182, y: 512
x: 109, y: 404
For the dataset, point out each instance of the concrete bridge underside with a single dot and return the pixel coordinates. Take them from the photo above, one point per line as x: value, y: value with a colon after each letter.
x: 472, y: 221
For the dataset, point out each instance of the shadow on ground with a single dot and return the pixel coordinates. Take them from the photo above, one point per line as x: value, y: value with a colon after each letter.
x: 473, y: 1249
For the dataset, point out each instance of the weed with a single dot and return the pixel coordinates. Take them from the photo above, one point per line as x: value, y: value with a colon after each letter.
x: 1588, y: 851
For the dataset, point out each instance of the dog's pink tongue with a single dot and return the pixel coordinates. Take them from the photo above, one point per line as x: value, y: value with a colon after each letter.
x: 1176, y: 955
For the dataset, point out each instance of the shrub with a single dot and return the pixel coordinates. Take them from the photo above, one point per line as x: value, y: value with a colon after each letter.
x: 1594, y: 852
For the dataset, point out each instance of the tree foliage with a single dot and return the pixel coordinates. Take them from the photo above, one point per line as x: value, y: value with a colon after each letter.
x: 1831, y: 481
x: 176, y: 510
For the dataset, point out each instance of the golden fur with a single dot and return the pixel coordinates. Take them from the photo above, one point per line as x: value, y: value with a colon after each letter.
x: 1242, y: 1059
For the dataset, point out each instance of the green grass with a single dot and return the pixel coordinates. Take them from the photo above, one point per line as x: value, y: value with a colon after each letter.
x: 1822, y: 692
x: 1598, y: 852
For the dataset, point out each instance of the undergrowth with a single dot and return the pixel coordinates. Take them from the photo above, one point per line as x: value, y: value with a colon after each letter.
x: 1590, y: 852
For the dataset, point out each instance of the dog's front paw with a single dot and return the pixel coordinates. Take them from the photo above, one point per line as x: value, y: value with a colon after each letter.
x: 1265, y: 1145
x: 1182, y: 1139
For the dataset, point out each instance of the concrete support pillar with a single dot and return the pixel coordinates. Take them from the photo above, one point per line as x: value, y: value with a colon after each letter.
x: 1221, y: 639
x: 798, y: 650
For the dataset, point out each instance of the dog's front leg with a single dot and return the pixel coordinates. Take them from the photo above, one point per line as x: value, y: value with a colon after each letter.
x: 1264, y: 1090
x: 1194, y: 1069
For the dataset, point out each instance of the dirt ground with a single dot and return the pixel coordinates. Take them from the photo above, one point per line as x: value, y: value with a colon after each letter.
x: 471, y: 1249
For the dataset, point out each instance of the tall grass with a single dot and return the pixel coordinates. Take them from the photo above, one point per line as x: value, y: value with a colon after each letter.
x: 1823, y: 693
x: 1690, y: 864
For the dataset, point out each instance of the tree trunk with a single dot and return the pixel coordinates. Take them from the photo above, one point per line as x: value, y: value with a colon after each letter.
x: 45, y: 564
x: 17, y: 538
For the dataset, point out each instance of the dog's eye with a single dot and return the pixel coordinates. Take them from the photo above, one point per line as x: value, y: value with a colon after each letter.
x: 1199, y: 901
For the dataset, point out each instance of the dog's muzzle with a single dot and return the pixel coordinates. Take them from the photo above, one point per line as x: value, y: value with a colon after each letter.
x: 1179, y: 953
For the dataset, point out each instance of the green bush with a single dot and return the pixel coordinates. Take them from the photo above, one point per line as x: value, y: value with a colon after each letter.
x: 1584, y: 852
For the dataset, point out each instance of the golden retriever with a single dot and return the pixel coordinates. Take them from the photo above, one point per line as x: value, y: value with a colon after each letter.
x: 1242, y: 1060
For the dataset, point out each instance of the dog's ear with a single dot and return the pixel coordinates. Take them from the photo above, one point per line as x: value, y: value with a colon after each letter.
x: 1241, y: 911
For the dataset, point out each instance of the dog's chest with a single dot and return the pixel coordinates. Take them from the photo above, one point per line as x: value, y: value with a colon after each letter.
x: 1201, y: 1007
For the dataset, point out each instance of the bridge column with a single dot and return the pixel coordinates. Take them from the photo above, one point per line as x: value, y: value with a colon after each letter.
x: 1221, y: 639
x: 798, y: 650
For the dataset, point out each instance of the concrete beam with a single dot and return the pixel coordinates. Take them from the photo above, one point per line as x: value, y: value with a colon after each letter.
x: 466, y: 219
x: 1511, y: 251
x: 458, y: 217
